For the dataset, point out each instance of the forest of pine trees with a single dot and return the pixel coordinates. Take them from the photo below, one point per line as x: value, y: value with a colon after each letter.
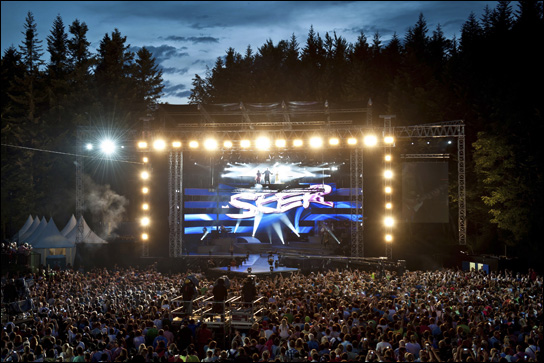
x: 490, y: 77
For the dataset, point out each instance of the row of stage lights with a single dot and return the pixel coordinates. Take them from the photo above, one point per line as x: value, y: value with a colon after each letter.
x: 262, y: 143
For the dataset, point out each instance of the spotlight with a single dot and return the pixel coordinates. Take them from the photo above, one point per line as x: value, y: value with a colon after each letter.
x: 107, y: 147
x: 352, y: 141
x: 281, y: 143
x: 159, y: 145
x: 388, y: 221
x: 388, y: 174
x: 227, y: 144
x: 176, y: 144
x: 370, y: 140
x: 145, y: 236
x: 389, y: 139
x: 262, y: 143
x: 388, y: 157
x: 388, y: 238
x: 388, y: 205
x: 245, y: 144
x: 145, y: 206
x: 316, y: 142
x: 142, y: 145
x: 334, y: 141
x: 144, y: 221
x: 89, y: 146
x: 297, y: 143
x: 388, y: 190
x: 144, y: 175
x: 145, y: 190
x: 193, y: 144
x: 210, y: 144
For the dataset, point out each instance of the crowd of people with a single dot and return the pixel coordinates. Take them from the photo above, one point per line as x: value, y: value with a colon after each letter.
x: 125, y: 314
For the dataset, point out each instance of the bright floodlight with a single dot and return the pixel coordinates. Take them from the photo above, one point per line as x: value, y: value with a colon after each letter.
x: 145, y: 221
x: 334, y: 141
x: 262, y: 143
x: 144, y: 175
x: 388, y: 205
x: 352, y: 141
x: 245, y: 144
x: 107, y: 147
x: 281, y: 143
x: 316, y: 142
x: 89, y: 146
x: 370, y: 140
x: 145, y: 190
x: 388, y: 157
x: 159, y: 144
x: 297, y: 143
x: 145, y: 159
x: 193, y: 144
x: 388, y: 190
x: 227, y: 144
x: 145, y: 236
x: 142, y: 144
x: 176, y: 144
x: 145, y: 206
x: 388, y: 221
x: 388, y: 237
x: 388, y: 174
x: 210, y: 144
x: 389, y: 139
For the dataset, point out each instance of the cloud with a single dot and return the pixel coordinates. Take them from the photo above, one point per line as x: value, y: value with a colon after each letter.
x: 194, y: 40
x: 174, y: 70
x: 163, y: 52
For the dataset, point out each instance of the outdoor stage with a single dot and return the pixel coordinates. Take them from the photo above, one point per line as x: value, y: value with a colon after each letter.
x: 259, y: 266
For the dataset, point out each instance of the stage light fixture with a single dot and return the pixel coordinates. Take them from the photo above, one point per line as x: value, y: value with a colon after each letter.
x: 142, y: 145
x: 316, y: 142
x: 144, y: 175
x: 262, y: 143
x: 388, y: 157
x: 389, y: 140
x: 107, y: 147
x: 89, y: 146
x: 176, y: 144
x: 388, y: 238
x: 245, y: 144
x: 388, y: 221
x: 210, y: 144
x: 145, y: 159
x: 388, y: 174
x: 159, y: 145
x: 333, y: 141
x: 227, y: 144
x: 193, y: 144
x: 370, y: 140
x: 145, y: 236
x: 388, y: 190
x: 352, y: 141
x: 297, y: 143
x: 145, y: 221
x: 281, y: 143
x: 145, y: 206
x: 145, y: 190
x: 388, y: 205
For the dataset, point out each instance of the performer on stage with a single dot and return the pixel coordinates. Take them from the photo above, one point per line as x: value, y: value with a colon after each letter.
x: 258, y: 177
x: 267, y: 176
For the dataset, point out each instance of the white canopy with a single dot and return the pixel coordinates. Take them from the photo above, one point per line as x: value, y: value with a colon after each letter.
x: 24, y: 228
x: 51, y: 242
x: 32, y: 239
x: 88, y: 235
x: 30, y: 230
x: 69, y: 226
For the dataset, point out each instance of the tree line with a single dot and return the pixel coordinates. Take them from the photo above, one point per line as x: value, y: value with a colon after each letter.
x: 490, y: 77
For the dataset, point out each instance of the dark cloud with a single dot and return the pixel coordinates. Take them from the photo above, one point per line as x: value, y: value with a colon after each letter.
x: 194, y: 40
x: 163, y: 52
x: 174, y: 70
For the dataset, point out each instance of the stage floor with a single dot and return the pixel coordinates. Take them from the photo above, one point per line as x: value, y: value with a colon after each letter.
x: 259, y: 266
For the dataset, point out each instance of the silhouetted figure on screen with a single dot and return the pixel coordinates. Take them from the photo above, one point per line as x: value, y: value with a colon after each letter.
x: 267, y: 176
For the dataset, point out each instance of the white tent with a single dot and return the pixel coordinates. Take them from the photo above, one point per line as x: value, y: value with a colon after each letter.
x: 32, y: 238
x: 88, y: 235
x: 69, y: 226
x: 30, y: 230
x: 24, y: 228
x: 51, y: 242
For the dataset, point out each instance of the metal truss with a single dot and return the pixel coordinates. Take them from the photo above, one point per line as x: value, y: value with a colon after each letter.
x: 175, y: 195
x: 387, y: 183
x: 356, y: 202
